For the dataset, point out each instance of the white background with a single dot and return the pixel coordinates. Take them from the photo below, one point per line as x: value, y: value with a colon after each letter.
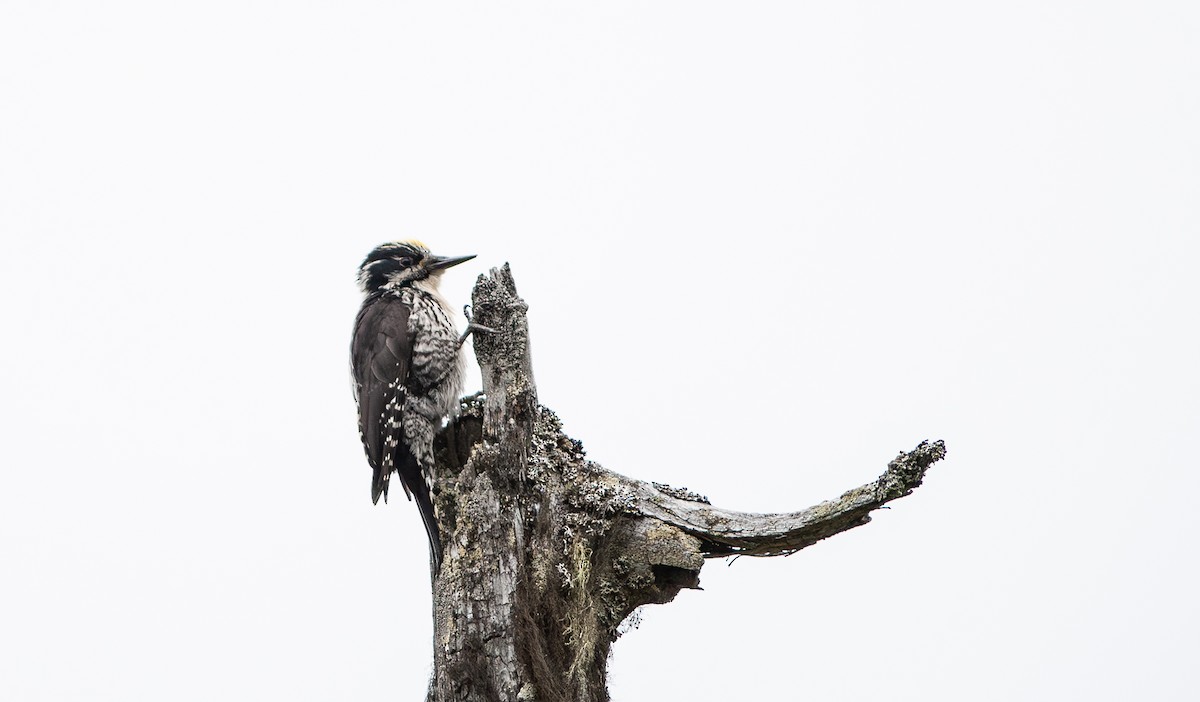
x: 765, y: 247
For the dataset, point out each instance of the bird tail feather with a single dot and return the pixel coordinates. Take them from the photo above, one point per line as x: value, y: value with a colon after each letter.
x: 418, y: 489
x: 429, y: 517
x: 379, y: 484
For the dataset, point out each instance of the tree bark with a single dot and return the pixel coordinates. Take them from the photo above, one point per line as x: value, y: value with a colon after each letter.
x: 546, y: 552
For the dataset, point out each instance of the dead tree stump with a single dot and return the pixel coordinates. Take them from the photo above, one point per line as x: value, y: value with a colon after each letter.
x: 546, y: 552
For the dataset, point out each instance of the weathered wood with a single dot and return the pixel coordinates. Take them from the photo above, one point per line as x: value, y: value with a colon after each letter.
x: 546, y: 553
x: 479, y: 510
x: 726, y: 532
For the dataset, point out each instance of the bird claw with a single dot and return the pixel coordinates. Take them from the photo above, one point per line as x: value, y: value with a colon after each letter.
x: 472, y: 326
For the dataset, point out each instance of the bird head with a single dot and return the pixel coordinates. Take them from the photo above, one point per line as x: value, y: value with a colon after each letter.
x: 400, y: 263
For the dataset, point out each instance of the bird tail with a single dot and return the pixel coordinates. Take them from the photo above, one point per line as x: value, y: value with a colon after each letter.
x: 429, y: 516
x: 418, y: 489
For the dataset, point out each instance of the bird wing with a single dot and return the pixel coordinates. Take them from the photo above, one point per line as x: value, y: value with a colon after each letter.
x: 380, y: 357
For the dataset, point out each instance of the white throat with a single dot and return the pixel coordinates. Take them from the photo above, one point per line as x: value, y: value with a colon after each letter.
x: 430, y: 285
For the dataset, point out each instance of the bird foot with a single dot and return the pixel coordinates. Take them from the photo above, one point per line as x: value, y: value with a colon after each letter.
x: 472, y: 326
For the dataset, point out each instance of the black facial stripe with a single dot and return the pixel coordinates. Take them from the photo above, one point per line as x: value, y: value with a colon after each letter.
x: 376, y: 272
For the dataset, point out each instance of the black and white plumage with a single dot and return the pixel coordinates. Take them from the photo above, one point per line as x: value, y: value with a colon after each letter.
x: 407, y: 369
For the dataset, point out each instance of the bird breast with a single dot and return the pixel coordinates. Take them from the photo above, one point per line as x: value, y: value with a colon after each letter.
x: 437, y: 362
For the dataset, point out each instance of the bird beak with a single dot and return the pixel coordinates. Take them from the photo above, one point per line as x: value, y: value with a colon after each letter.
x: 438, y: 263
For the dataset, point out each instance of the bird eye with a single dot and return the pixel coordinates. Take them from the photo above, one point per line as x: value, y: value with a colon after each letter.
x: 406, y: 262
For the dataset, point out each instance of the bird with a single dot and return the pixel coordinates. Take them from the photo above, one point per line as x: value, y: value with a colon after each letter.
x: 407, y: 366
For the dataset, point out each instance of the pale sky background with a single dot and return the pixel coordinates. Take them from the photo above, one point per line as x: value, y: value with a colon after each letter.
x: 970, y: 221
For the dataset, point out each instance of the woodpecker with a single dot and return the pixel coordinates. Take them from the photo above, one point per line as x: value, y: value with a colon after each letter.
x: 407, y: 369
